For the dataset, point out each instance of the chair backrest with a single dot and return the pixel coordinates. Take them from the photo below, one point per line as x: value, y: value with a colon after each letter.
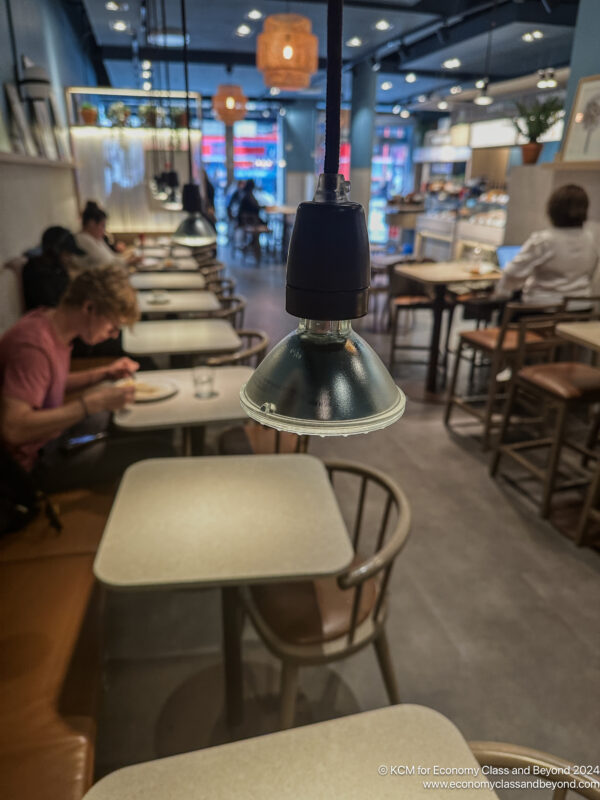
x: 222, y: 287
x: 544, y: 327
x: 552, y: 768
x: 267, y: 440
x: 232, y: 309
x: 387, y: 519
x: 212, y: 271
x: 252, y: 352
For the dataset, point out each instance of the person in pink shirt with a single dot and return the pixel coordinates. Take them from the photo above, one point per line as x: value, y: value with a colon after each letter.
x: 35, y: 358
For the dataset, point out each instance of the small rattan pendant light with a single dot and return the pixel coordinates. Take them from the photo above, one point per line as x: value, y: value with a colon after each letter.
x: 229, y: 103
x: 287, y: 51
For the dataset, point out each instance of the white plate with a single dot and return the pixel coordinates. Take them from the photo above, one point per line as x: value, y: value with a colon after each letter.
x: 164, y: 389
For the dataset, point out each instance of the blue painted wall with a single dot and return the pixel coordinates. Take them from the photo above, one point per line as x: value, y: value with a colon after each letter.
x: 44, y: 33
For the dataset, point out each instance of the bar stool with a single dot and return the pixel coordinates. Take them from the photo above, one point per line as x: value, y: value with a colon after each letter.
x: 500, y: 347
x: 562, y: 387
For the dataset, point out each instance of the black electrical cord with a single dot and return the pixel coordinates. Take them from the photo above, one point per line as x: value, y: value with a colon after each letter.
x: 333, y: 102
x: 187, y: 90
x: 13, y: 42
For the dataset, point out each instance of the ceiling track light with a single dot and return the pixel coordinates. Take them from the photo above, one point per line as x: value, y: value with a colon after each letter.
x: 323, y: 379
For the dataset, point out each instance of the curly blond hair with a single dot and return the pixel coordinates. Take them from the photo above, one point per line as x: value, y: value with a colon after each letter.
x: 108, y: 290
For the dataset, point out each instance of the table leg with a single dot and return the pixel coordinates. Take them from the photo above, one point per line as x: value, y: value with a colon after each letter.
x: 232, y: 655
x: 434, y: 347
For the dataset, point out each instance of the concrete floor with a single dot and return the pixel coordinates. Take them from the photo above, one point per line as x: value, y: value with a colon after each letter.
x: 494, y: 616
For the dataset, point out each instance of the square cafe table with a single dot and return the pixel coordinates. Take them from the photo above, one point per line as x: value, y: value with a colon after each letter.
x: 585, y: 334
x: 181, y: 337
x: 179, y: 302
x: 223, y: 521
x: 438, y: 276
x: 168, y: 280
x: 184, y: 410
x: 350, y: 758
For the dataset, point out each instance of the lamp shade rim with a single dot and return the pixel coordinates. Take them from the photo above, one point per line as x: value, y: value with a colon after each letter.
x: 325, y: 427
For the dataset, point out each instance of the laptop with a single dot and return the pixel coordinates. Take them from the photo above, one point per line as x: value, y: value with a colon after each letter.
x: 506, y: 253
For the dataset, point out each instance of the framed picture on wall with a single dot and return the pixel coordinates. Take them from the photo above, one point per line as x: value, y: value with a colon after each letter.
x: 43, y: 130
x: 582, y: 139
x: 20, y: 131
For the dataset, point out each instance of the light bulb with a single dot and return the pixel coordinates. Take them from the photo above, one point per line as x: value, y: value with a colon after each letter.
x: 410, y: 78
x: 451, y: 63
x: 387, y: 85
x: 405, y: 113
x: 480, y: 84
x: 396, y: 109
x: 382, y: 25
x: 243, y: 30
x: 274, y: 91
x: 288, y: 52
x: 355, y: 41
x: 229, y: 103
x: 255, y: 14
x: 146, y: 86
x: 455, y: 89
x: 119, y: 25
x: 146, y: 74
x: 146, y: 64
x: 442, y: 105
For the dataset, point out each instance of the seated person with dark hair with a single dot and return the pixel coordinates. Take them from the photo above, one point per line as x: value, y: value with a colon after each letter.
x: 46, y: 276
x: 249, y: 209
x: 35, y: 359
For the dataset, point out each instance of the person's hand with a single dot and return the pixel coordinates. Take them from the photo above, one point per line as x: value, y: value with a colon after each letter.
x: 109, y: 398
x: 121, y: 368
x: 120, y: 247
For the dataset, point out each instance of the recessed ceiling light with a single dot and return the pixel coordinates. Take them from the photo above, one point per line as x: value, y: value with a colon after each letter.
x: 274, y: 91
x: 112, y: 5
x: 282, y: 112
x: 168, y: 38
x: 410, y: 78
x: 422, y: 98
x: 537, y: 34
x: 282, y: 163
x: 451, y: 63
x: 266, y: 114
x: 387, y: 85
x: 355, y: 41
x: 146, y: 86
x: 383, y: 25
x: 483, y: 100
x: 405, y: 113
x: 527, y: 37
x: 119, y: 25
x: 455, y: 89
x: 480, y: 84
x: 146, y: 74
x: 146, y: 64
x: 255, y: 14
x: 396, y: 109
x: 442, y: 105
x: 376, y: 66
x: 243, y: 30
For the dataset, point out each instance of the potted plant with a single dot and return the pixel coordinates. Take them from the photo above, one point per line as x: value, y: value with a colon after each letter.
x: 533, y: 121
x: 179, y: 117
x: 150, y: 114
x: 118, y: 113
x: 89, y: 113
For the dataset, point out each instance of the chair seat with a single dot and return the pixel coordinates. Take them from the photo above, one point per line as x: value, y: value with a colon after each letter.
x: 569, y: 381
x: 487, y: 339
x: 312, y: 612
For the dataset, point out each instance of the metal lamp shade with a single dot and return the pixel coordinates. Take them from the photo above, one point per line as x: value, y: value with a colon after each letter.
x: 323, y: 380
x: 287, y: 51
x: 229, y: 103
x: 195, y: 231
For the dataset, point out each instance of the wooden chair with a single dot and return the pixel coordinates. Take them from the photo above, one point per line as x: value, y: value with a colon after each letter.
x: 222, y: 287
x: 251, y: 438
x: 406, y: 297
x: 499, y: 346
x: 560, y: 388
x: 252, y: 228
x: 252, y: 352
x: 232, y: 309
x: 325, y: 620
x: 554, y: 769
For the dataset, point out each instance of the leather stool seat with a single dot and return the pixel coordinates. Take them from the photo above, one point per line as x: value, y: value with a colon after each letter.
x: 411, y: 300
x: 569, y: 380
x: 487, y: 338
x: 312, y: 612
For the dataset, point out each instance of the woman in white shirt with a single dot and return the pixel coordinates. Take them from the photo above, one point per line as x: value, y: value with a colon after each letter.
x: 92, y: 239
x: 556, y: 262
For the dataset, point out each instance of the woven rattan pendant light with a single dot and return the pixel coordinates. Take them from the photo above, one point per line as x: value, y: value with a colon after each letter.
x: 229, y: 103
x: 287, y: 51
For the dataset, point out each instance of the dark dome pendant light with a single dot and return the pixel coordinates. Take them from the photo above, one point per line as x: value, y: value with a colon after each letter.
x: 196, y: 231
x: 323, y: 379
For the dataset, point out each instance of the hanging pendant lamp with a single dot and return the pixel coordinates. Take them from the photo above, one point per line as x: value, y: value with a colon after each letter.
x: 323, y: 379
x: 229, y: 103
x: 484, y: 98
x: 287, y: 51
x: 195, y: 231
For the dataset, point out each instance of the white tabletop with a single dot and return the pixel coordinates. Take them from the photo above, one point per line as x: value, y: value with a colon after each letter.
x: 341, y: 758
x: 177, y: 302
x: 153, y: 264
x: 222, y: 520
x: 171, y: 336
x: 167, y: 280
x: 184, y: 408
x: 586, y: 334
x: 442, y: 272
